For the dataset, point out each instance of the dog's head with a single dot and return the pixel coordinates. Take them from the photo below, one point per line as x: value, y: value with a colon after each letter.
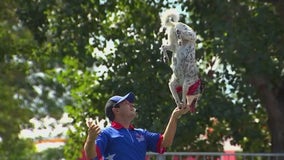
x: 169, y: 16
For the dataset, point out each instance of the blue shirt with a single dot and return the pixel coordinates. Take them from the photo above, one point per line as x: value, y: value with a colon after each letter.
x: 119, y: 143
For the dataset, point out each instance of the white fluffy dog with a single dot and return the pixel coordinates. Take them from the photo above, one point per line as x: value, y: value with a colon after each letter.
x: 181, y: 42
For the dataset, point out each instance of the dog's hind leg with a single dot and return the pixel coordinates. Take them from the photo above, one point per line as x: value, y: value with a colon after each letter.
x: 184, y: 93
x: 191, y: 101
x: 193, y: 94
x: 188, y: 98
x: 173, y: 88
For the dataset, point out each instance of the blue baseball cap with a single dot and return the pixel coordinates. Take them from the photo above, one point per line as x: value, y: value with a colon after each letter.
x: 129, y: 97
x: 114, y: 101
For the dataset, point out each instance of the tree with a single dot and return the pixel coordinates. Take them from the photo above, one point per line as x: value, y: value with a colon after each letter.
x: 20, y: 82
x: 15, y: 42
x: 79, y: 37
x: 247, y: 37
x: 50, y: 154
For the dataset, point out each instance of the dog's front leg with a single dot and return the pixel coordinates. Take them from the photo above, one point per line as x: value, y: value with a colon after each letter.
x: 163, y: 50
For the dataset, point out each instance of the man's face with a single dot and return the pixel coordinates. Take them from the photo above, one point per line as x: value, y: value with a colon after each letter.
x: 126, y: 109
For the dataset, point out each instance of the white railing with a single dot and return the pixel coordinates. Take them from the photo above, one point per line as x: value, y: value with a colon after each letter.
x: 214, y: 156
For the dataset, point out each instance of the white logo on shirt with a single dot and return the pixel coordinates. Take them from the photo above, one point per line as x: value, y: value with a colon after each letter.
x: 139, y: 137
x: 110, y: 157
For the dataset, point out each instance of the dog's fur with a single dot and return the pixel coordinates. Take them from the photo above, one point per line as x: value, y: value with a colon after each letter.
x: 181, y: 42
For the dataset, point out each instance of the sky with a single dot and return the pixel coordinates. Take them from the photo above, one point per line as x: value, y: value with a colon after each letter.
x: 47, y: 129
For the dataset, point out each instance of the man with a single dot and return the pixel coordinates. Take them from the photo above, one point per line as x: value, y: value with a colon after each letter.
x: 121, y: 141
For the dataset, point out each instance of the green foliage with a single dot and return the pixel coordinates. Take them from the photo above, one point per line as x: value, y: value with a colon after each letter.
x: 16, y: 148
x: 76, y: 38
x: 50, y: 154
x: 245, y: 37
x: 75, y: 142
x: 16, y: 43
x: 20, y: 75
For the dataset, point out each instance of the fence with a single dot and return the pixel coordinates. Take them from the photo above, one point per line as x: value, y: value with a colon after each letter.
x: 214, y: 156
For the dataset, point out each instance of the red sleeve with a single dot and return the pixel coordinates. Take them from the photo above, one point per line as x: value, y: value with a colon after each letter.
x: 160, y: 149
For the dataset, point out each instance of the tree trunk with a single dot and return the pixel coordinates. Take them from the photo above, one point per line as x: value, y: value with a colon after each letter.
x: 272, y: 98
x: 273, y: 101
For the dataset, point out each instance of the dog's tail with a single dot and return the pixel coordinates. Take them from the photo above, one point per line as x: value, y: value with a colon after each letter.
x: 168, y: 17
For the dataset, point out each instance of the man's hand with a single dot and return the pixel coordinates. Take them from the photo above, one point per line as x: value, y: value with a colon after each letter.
x: 178, y: 112
x: 93, y: 131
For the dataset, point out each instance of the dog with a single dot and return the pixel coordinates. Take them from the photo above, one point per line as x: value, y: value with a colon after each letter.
x: 181, y: 41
